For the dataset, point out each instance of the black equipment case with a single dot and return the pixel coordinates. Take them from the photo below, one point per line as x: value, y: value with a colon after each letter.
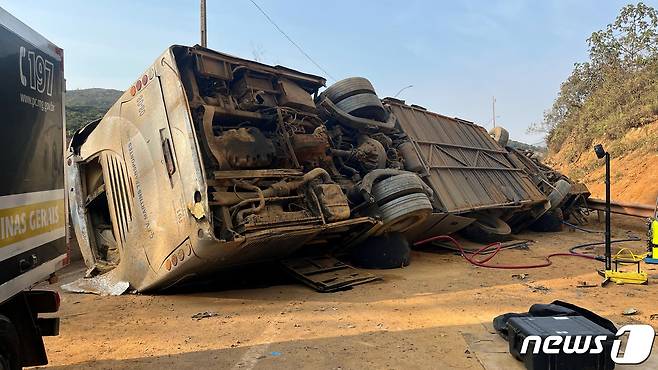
x: 519, y: 328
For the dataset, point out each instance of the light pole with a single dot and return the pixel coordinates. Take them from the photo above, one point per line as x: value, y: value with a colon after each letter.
x: 619, y: 277
x: 204, y: 31
x: 493, y: 110
x: 600, y: 154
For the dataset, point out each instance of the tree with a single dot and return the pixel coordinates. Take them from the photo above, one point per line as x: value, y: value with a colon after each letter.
x: 628, y: 42
x: 609, y: 89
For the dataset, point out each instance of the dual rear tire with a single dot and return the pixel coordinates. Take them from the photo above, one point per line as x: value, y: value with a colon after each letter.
x: 356, y: 96
x: 400, y: 203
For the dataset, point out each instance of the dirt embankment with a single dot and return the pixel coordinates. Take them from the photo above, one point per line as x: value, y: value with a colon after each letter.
x: 634, y: 165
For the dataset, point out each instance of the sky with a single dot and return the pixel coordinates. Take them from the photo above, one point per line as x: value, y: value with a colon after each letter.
x: 457, y: 55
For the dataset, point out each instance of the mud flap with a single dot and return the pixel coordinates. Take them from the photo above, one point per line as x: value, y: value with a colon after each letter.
x: 326, y: 274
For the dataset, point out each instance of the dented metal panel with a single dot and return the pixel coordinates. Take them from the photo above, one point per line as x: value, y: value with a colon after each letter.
x: 210, y: 162
x: 467, y: 170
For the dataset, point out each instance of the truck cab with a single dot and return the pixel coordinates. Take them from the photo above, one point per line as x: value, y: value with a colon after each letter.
x: 33, y: 220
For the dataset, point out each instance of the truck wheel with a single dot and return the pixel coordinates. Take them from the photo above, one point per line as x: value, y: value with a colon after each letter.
x: 487, y: 229
x: 397, y: 186
x: 348, y: 87
x: 559, y: 194
x: 382, y: 252
x: 366, y: 105
x: 500, y: 135
x: 9, y: 350
x: 400, y: 214
x: 549, y: 222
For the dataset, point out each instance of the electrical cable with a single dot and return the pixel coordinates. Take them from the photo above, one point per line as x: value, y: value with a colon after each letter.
x: 291, y: 40
x: 582, y: 228
x: 634, y: 258
x: 482, y: 263
x: 519, y: 245
x: 584, y: 245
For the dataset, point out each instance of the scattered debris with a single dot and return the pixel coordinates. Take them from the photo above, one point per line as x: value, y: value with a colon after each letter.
x: 275, y: 353
x: 584, y: 284
x: 630, y: 311
x: 103, y: 285
x: 204, y: 315
x: 538, y: 288
x: 326, y: 274
x: 520, y: 276
x: 653, y: 316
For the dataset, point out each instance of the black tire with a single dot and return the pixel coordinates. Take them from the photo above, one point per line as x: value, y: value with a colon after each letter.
x: 397, y: 186
x: 401, y: 214
x: 550, y: 222
x: 366, y: 105
x: 382, y: 252
x: 9, y: 349
x: 346, y: 88
x: 487, y: 229
x: 500, y: 135
x: 559, y: 194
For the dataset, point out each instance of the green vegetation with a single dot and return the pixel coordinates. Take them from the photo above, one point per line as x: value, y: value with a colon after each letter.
x: 85, y: 105
x: 616, y: 90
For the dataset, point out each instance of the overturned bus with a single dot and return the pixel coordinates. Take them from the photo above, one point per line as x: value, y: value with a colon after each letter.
x: 210, y: 161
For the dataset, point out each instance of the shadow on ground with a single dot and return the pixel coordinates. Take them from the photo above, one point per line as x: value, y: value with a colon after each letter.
x: 421, y: 349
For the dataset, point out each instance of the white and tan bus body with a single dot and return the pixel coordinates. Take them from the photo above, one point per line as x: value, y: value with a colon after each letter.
x: 208, y: 161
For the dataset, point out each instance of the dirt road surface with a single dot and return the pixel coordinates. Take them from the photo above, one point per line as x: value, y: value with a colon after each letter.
x: 436, y: 313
